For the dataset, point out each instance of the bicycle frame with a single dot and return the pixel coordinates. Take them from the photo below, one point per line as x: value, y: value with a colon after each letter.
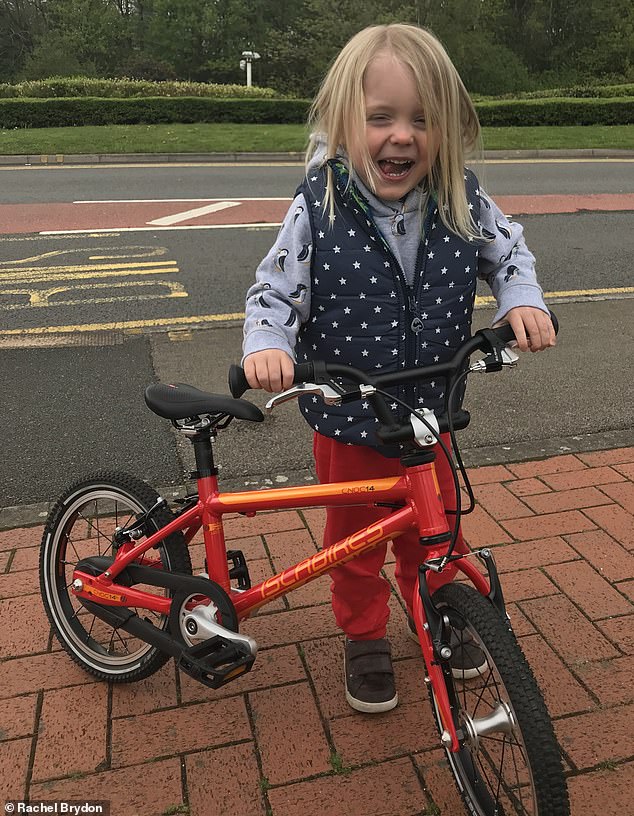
x: 422, y: 509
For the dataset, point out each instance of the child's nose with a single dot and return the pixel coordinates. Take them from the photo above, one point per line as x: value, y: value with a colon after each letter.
x: 402, y: 134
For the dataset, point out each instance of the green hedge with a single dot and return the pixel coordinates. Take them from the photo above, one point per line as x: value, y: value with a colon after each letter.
x: 38, y: 113
x: 564, y: 111
x: 577, y: 91
x: 72, y: 87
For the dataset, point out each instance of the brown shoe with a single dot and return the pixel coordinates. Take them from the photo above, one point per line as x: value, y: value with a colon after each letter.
x: 369, y: 676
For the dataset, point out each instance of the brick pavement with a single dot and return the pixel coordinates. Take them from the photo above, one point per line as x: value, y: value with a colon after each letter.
x: 563, y: 531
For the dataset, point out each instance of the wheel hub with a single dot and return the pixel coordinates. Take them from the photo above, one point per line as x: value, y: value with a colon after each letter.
x: 500, y: 720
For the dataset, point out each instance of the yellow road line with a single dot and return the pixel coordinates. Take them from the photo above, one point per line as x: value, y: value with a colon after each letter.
x: 49, y: 275
x: 126, y: 324
x: 486, y: 300
x: 193, y: 320
x: 137, y: 267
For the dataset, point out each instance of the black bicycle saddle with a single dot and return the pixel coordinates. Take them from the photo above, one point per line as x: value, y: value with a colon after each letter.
x: 181, y: 401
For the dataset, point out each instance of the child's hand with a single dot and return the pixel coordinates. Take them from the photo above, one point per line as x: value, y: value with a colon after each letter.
x: 533, y: 328
x: 271, y: 370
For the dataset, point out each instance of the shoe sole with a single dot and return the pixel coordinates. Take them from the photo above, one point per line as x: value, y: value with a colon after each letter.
x: 371, y: 708
x: 457, y: 674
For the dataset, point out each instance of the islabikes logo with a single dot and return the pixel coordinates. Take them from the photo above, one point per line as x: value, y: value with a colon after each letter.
x: 358, y: 489
x: 317, y: 564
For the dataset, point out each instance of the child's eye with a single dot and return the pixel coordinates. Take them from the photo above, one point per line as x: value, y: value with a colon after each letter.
x: 420, y: 122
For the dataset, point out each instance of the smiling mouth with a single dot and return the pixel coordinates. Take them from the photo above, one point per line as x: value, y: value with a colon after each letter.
x: 395, y: 168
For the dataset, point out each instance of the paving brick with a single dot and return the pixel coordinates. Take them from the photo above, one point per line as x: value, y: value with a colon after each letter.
x: 556, y: 464
x: 623, y: 494
x: 614, y: 520
x: 26, y: 558
x: 562, y: 692
x: 536, y: 553
x: 627, y: 588
x: 15, y: 584
x: 592, y: 593
x: 316, y: 521
x: 189, y: 728
x: 272, y: 667
x: 552, y: 524
x: 48, y: 671
x: 603, y: 793
x: 260, y: 524
x: 614, y: 456
x: 489, y: 474
x: 626, y: 470
x: 289, y: 733
x: 439, y: 782
x: 224, y: 781
x: 604, y: 553
x: 520, y: 623
x: 527, y: 487
x: 293, y: 626
x: 406, y: 728
x: 313, y: 593
x: 621, y: 631
x: 289, y: 548
x: 158, y: 790
x: 610, y: 680
x: 324, y: 658
x: 14, y: 761
x: 24, y: 627
x: 499, y: 502
x: 72, y: 731
x: 21, y: 537
x: 480, y: 530
x: 529, y: 583
x: 17, y: 717
x: 582, y: 478
x: 574, y: 499
x: 155, y: 692
x: 572, y: 636
x: 394, y: 791
x: 587, y: 740
x: 5, y: 557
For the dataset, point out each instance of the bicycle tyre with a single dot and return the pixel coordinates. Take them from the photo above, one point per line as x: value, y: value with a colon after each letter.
x: 80, y: 522
x: 539, y: 787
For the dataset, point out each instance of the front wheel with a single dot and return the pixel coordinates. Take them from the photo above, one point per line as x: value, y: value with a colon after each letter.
x: 509, y: 761
x: 82, y: 524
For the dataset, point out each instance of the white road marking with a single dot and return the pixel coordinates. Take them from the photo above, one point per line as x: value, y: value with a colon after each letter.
x: 187, y: 215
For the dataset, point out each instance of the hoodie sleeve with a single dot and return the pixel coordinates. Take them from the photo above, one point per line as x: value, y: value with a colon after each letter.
x: 506, y: 263
x: 279, y: 301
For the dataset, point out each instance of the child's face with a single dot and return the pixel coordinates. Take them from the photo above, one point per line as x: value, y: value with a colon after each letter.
x: 395, y: 132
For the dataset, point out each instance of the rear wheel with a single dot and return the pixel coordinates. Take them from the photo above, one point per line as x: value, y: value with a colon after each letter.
x: 82, y: 524
x: 509, y: 762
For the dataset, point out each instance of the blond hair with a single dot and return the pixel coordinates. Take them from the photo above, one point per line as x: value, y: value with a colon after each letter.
x: 338, y: 113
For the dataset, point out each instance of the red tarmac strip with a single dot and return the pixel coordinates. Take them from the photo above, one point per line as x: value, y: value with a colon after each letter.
x: 33, y: 218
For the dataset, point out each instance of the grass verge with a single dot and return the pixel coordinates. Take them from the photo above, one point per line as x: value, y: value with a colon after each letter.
x: 227, y: 138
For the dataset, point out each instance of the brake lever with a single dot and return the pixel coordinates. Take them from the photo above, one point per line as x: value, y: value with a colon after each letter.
x: 495, y: 361
x: 326, y: 392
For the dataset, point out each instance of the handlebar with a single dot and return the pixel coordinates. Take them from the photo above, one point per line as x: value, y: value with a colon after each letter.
x: 487, y: 340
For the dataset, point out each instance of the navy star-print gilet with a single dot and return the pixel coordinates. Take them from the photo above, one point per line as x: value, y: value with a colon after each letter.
x: 364, y: 314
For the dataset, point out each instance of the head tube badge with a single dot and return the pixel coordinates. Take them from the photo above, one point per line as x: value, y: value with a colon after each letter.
x: 425, y: 433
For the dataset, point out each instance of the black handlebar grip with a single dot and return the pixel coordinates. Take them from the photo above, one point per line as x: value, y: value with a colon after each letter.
x: 304, y: 372
x: 237, y: 381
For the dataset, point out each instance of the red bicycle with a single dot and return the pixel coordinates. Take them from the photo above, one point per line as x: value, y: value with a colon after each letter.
x: 116, y: 580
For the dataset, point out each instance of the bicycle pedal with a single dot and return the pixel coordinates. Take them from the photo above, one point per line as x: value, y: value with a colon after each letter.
x: 216, y: 661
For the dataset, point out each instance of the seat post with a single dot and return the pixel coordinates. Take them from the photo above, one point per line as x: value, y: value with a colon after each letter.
x: 203, y: 453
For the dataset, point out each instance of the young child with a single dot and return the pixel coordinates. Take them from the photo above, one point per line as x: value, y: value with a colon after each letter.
x: 376, y: 265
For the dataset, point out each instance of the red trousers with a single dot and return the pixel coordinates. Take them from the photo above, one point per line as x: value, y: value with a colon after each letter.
x: 359, y: 593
